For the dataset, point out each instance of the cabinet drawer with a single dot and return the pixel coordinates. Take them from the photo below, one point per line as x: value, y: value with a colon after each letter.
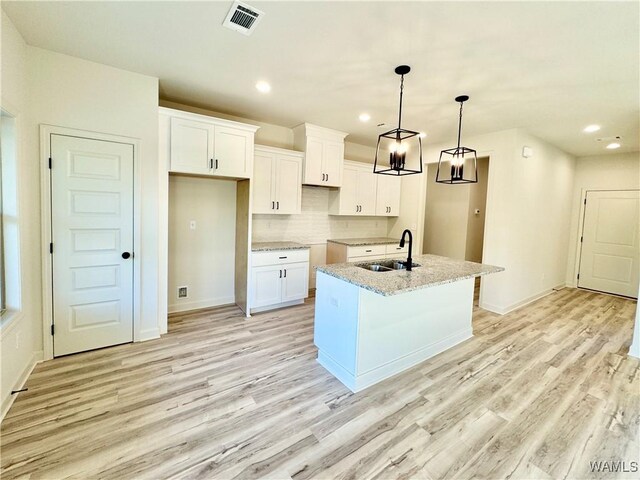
x: 394, y: 249
x: 278, y: 257
x: 367, y: 251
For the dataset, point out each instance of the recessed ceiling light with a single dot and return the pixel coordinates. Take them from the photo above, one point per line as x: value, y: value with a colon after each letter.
x: 364, y: 117
x: 591, y: 128
x: 613, y: 146
x: 263, y: 86
x: 422, y: 135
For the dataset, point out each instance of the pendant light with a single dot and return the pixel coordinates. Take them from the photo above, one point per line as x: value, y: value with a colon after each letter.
x: 459, y: 164
x: 402, y: 148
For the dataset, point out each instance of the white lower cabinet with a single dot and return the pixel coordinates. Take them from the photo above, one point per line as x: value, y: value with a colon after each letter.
x: 279, y: 278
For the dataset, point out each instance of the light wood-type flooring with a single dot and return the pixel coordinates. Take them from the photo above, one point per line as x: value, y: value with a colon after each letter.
x: 536, y: 394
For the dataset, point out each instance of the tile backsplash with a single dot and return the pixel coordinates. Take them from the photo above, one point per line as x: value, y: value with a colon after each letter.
x: 314, y: 225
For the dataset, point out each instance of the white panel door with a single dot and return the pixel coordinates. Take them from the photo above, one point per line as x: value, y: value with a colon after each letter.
x: 609, y: 261
x: 332, y: 163
x: 295, y: 281
x: 288, y: 180
x: 191, y: 146
x: 233, y: 152
x: 366, y: 191
x: 266, y: 284
x: 92, y: 228
x: 263, y: 182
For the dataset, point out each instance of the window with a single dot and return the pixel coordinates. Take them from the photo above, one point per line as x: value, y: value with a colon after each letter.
x: 9, y: 226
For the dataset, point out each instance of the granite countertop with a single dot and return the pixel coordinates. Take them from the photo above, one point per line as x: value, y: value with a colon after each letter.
x: 361, y: 242
x: 273, y: 246
x: 434, y: 270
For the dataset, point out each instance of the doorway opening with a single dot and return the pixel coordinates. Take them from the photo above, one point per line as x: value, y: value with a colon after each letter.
x: 455, y: 217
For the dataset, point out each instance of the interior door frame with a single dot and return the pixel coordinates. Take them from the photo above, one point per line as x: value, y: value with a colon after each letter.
x: 46, y: 131
x: 582, y: 213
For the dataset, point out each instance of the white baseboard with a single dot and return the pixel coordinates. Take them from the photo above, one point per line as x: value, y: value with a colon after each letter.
x: 277, y: 305
x: 212, y: 302
x: 36, y: 358
x: 356, y: 383
x: 514, y: 306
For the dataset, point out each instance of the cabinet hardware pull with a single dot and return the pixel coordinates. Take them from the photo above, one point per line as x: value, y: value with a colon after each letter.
x: 273, y: 205
x: 211, y: 164
x: 367, y: 251
x: 216, y: 163
x: 285, y: 273
x: 277, y: 205
x: 327, y: 177
x: 282, y: 258
x: 280, y: 273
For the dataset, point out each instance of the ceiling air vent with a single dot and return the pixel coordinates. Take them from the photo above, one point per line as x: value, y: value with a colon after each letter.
x: 243, y: 18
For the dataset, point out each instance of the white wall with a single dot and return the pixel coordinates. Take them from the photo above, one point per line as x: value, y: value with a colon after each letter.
x: 74, y: 93
x: 603, y: 172
x: 527, y: 213
x: 202, y: 259
x: 21, y: 335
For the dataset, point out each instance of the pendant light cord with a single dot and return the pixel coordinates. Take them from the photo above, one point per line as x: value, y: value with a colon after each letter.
x: 400, y: 110
x: 459, y: 125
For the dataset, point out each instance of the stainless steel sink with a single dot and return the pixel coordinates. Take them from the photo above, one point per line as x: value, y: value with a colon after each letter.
x: 376, y: 268
x: 386, y: 266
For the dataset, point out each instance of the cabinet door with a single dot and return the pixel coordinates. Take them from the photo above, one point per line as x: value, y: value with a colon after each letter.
x: 349, y: 192
x: 393, y: 196
x: 233, y: 152
x: 313, y: 174
x: 388, y: 196
x: 366, y: 192
x: 332, y: 163
x: 191, y: 146
x: 263, y: 182
x: 288, y: 184
x: 266, y: 285
x: 295, y: 281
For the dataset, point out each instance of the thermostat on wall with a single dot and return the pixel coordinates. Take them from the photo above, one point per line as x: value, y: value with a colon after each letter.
x: 527, y: 152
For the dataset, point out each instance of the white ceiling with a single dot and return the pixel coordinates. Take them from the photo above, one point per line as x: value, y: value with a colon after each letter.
x: 549, y: 67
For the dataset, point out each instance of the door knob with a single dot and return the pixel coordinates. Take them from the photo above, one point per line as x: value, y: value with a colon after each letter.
x: 126, y: 255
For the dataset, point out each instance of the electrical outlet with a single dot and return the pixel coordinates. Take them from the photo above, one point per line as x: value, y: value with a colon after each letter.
x: 182, y: 292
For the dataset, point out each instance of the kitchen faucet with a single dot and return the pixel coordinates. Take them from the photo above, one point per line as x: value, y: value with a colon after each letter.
x: 409, y: 261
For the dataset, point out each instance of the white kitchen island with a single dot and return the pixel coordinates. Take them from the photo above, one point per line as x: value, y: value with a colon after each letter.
x: 372, y: 325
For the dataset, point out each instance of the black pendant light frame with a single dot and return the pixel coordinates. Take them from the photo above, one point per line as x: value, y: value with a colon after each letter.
x: 456, y: 172
x: 397, y: 159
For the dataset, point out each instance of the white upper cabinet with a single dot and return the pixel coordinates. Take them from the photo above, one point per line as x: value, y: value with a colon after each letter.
x: 205, y: 145
x: 191, y: 146
x: 277, y: 181
x: 365, y: 193
x: 388, y: 196
x: 324, y: 154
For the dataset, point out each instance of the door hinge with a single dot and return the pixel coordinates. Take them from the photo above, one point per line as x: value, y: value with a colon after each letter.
x: 50, y: 161
x: 585, y: 201
x: 51, y: 248
x: 578, y: 276
x: 581, y: 239
x: 53, y: 329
